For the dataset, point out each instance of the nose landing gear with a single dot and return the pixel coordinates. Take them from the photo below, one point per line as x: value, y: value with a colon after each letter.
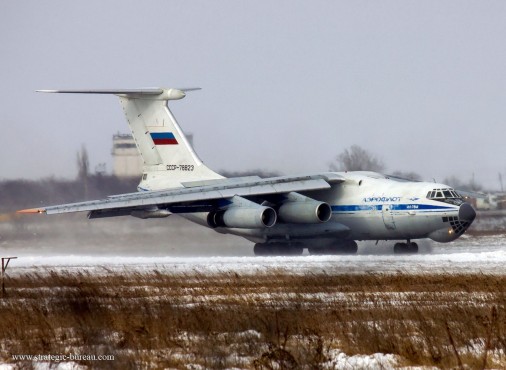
x: 406, y: 248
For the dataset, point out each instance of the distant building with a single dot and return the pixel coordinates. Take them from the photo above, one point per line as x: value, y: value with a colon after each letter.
x: 491, y: 202
x: 127, y: 161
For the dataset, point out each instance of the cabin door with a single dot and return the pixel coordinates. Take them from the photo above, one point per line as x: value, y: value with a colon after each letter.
x: 388, y: 217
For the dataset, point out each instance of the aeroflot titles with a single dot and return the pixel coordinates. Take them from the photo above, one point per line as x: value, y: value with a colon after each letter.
x: 382, y: 199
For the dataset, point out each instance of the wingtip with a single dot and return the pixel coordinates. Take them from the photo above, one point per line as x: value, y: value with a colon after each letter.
x: 32, y: 211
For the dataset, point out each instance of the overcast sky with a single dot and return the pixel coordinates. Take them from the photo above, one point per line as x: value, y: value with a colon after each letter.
x: 287, y: 85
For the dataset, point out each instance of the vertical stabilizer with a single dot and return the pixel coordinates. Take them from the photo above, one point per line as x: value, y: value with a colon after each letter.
x: 168, y: 157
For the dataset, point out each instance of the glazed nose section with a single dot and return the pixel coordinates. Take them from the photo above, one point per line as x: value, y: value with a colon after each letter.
x: 466, y: 213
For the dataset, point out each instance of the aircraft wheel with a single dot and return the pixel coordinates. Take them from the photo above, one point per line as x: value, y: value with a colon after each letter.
x: 261, y: 250
x: 349, y: 247
x: 345, y: 247
x: 317, y: 251
x: 413, y: 247
x: 399, y: 248
x: 277, y: 249
x: 406, y: 248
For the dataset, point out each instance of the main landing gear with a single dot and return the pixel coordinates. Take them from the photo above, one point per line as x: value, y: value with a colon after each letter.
x: 277, y: 249
x: 283, y: 249
x: 343, y: 247
x: 406, y: 248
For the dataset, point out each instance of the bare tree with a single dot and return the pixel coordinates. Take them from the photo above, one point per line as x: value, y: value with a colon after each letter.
x: 356, y: 158
x: 83, y: 169
x: 458, y: 184
x: 83, y: 163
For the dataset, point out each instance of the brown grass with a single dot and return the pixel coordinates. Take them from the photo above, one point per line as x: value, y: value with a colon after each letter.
x: 274, y: 320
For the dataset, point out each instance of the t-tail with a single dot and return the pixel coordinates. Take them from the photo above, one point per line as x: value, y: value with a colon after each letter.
x: 169, y: 159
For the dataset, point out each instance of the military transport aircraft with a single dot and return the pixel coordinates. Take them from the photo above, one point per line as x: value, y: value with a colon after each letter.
x: 323, y: 212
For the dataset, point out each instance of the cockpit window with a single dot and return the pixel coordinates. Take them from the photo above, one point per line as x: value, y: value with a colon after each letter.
x: 456, y: 195
x: 446, y: 195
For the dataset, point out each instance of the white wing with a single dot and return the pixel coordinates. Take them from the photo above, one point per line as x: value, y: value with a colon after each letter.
x: 194, y: 196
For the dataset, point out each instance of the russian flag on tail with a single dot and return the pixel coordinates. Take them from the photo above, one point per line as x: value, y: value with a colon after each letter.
x: 163, y: 138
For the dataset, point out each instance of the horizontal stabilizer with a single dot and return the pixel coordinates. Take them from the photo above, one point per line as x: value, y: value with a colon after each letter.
x: 142, y: 91
x: 148, y: 91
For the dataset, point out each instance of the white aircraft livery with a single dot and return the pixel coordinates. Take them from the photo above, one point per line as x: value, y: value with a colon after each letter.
x: 323, y: 212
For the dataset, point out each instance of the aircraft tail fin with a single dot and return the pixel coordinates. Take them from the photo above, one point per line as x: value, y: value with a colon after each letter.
x: 169, y: 159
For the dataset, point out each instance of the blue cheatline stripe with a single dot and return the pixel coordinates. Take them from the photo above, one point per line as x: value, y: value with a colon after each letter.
x: 393, y: 207
x: 414, y: 207
x: 354, y: 208
x: 162, y: 135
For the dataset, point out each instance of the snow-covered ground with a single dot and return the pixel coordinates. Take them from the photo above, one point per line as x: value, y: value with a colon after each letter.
x: 180, y: 246
x: 485, y: 254
x: 108, y: 253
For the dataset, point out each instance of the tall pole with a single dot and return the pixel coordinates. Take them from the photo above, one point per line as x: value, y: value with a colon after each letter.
x: 4, y: 266
x: 5, y: 263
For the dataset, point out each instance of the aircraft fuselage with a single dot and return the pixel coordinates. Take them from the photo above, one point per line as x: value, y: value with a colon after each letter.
x: 370, y: 206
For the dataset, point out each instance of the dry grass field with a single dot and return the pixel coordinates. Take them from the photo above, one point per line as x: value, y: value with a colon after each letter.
x: 156, y: 319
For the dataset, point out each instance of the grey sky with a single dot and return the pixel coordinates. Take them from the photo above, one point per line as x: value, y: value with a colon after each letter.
x: 287, y: 85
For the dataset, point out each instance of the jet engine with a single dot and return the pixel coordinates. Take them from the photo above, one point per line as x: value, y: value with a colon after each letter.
x: 244, y: 214
x: 299, y: 209
x: 243, y: 217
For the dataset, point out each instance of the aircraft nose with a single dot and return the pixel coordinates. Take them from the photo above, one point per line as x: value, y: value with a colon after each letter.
x: 467, y: 212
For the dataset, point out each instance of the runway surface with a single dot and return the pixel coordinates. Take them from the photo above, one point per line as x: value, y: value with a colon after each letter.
x: 485, y: 254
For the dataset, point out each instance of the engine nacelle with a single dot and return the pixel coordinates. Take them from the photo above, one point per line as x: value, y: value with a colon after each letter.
x: 305, y: 212
x: 243, y: 217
